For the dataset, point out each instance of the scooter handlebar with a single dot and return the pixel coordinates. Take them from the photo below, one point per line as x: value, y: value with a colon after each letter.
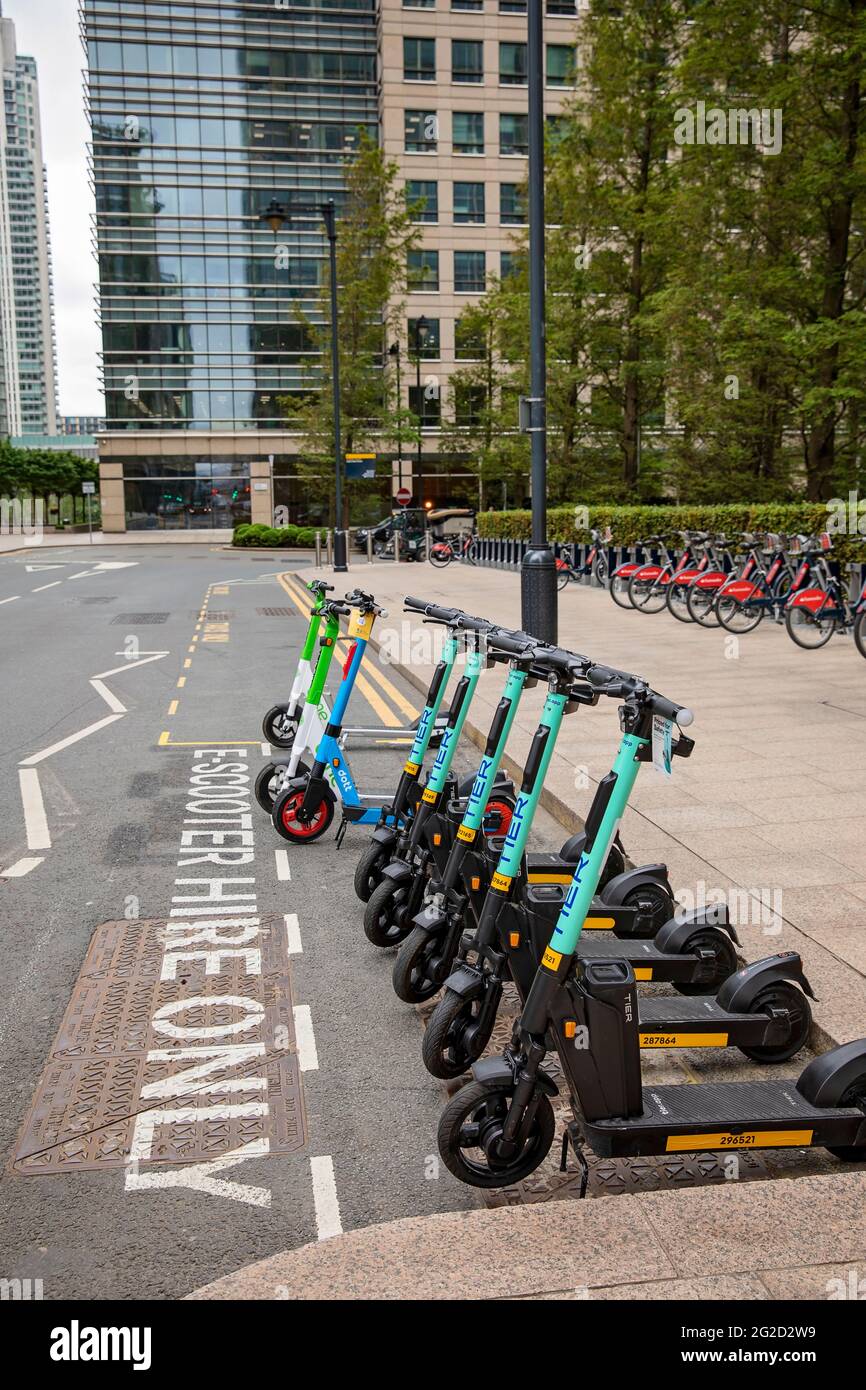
x: 453, y: 617
x: 620, y: 684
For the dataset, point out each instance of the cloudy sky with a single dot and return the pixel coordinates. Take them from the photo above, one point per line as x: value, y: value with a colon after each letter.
x: 48, y: 31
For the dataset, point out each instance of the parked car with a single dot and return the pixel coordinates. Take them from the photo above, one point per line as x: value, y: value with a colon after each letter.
x: 409, y: 521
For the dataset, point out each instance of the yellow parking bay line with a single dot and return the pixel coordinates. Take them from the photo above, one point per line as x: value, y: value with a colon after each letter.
x: 173, y: 707
x: 166, y: 741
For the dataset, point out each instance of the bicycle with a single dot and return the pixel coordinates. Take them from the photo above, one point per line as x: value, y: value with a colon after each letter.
x: 595, y: 563
x: 648, y: 586
x: 761, y: 588
x: 453, y: 548
x: 813, y: 615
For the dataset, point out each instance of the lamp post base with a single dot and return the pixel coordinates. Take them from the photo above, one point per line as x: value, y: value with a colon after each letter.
x: 341, y: 565
x: 538, y: 594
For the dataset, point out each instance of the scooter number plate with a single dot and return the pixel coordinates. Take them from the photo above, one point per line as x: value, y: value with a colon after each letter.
x: 754, y: 1139
x: 465, y: 833
x: 361, y: 625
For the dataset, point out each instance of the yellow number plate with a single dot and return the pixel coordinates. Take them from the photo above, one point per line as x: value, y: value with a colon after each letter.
x: 464, y: 833
x: 501, y: 881
x: 756, y: 1139
x: 683, y: 1039
x: 361, y: 625
x: 551, y: 959
x: 428, y: 796
x: 643, y: 972
x: 598, y: 924
x: 413, y: 769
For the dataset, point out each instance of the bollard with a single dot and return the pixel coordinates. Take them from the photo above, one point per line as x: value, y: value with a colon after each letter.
x: 318, y: 550
x: 396, y: 547
x: 329, y: 536
x: 370, y: 546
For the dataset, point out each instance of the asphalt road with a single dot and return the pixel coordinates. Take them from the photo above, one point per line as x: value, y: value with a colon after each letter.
x: 90, y: 834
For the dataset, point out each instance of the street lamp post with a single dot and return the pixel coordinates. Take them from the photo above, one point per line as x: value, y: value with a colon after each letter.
x: 276, y: 217
x: 394, y: 354
x: 422, y: 331
x: 538, y: 572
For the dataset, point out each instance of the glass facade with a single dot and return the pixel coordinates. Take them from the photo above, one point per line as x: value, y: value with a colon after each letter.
x: 202, y: 113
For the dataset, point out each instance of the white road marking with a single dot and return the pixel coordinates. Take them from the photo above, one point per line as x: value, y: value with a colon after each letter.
x: 111, y: 700
x: 84, y: 574
x: 35, y: 821
x: 117, y: 565
x: 284, y: 868
x: 37, y: 569
x: 307, y: 1054
x: 68, y: 742
x: 328, y: 1221
x: 13, y: 599
x: 293, y: 934
x: 266, y: 750
x: 24, y: 866
x: 199, y: 1177
x: 43, y: 587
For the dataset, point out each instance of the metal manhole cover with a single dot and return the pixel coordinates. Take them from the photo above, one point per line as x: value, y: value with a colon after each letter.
x: 142, y: 619
x: 276, y: 612
x: 119, y: 1081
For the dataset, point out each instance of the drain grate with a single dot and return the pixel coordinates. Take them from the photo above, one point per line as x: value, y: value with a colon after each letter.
x: 142, y: 619
x: 276, y: 612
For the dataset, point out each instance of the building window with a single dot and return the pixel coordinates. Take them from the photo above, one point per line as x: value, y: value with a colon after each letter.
x: 419, y: 60
x: 430, y: 348
x: 513, y: 133
x: 512, y: 64
x: 422, y: 200
x: 560, y: 65
x: 469, y: 344
x: 467, y: 60
x: 470, y: 403
x: 467, y: 4
x: 467, y: 132
x: 512, y: 212
x: 420, y: 132
x: 469, y: 202
x: 422, y: 270
x: 426, y: 405
x: 561, y: 7
x: 507, y: 264
x: 557, y: 128
x: 419, y: 4
x: 512, y: 6
x: 469, y: 272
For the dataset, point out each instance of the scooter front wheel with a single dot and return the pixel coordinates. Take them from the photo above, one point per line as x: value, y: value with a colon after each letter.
x: 279, y: 727
x: 286, y: 816
x: 269, y: 783
x: 368, y: 870
x: 453, y: 1039
x: 470, y: 1132
x: 412, y: 978
x: 383, y: 923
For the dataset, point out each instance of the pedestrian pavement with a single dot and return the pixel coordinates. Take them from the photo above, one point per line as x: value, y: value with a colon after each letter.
x: 10, y: 544
x: 773, y: 800
x: 801, y: 1238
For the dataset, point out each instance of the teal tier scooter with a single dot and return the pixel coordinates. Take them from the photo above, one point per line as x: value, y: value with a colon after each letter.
x: 499, y: 1128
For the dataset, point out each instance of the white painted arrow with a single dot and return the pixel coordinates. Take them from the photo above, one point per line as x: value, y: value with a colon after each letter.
x: 35, y: 569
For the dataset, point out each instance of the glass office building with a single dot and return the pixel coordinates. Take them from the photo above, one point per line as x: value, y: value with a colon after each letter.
x: 28, y: 369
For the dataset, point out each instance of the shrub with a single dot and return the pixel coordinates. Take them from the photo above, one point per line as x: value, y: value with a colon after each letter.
x: 277, y: 537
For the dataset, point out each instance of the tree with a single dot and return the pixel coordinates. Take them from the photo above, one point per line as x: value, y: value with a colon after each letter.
x: 374, y: 233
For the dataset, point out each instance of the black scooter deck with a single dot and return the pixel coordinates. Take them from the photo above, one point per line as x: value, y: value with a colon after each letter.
x: 724, y: 1115
x: 647, y: 961
x: 700, y: 1022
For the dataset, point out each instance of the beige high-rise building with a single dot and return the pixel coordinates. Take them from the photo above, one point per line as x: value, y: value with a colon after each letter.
x: 453, y: 114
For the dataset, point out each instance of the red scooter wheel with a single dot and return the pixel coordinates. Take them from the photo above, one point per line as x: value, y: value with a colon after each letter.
x: 286, y: 817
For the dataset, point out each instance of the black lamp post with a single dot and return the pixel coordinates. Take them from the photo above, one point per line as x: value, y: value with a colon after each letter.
x: 394, y: 354
x: 422, y: 332
x: 276, y: 217
x: 538, y: 573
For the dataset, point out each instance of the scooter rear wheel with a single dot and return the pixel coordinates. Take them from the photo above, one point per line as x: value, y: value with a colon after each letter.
x: 653, y: 902
x: 368, y: 870
x: 725, y: 964
x: 446, y: 1050
x: 287, y: 823
x: 411, y: 980
x: 471, y: 1126
x: 782, y: 994
x: 382, y: 925
x: 278, y: 729
x: 854, y: 1096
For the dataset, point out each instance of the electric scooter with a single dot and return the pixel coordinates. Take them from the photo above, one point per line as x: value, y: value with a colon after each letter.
x: 391, y: 907
x: 386, y: 842
x: 304, y: 808
x: 770, y: 1021
x: 500, y: 1127
x: 641, y: 898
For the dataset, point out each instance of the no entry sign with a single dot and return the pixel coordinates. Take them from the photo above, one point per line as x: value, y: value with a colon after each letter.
x: 403, y: 497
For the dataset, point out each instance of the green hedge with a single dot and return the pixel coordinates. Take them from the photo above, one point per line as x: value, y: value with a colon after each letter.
x: 631, y: 525
x: 280, y: 537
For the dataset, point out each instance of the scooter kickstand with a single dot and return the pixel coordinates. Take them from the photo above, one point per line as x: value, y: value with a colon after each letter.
x: 341, y: 833
x: 571, y: 1134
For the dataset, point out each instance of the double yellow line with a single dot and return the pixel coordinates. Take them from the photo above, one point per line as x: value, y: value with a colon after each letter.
x: 300, y: 596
